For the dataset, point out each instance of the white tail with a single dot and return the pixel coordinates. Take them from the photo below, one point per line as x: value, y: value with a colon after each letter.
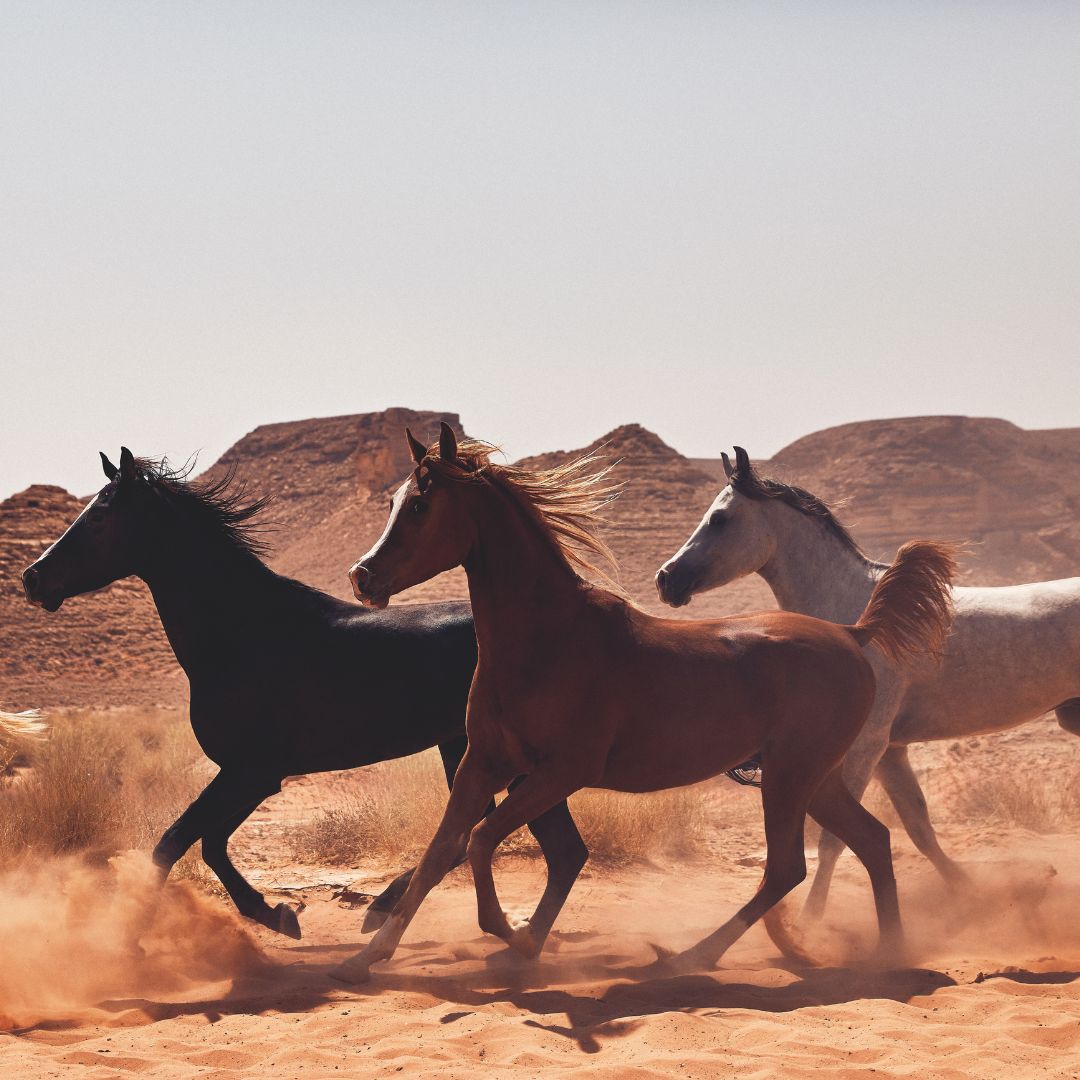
x: 21, y: 726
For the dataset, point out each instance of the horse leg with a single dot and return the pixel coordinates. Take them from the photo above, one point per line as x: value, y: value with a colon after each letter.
x: 248, y: 900
x: 565, y: 854
x: 379, y: 909
x: 474, y: 786
x: 538, y: 799
x: 899, y: 781
x: 225, y: 796
x: 786, y: 787
x: 859, y: 766
x: 834, y: 808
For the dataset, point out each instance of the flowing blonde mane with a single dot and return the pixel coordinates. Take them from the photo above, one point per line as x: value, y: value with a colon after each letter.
x: 566, y: 501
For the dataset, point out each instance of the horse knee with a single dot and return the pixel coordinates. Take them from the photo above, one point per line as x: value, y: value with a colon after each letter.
x: 481, y: 845
x: 1068, y: 716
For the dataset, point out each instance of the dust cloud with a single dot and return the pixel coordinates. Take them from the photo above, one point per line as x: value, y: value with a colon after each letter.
x: 73, y: 934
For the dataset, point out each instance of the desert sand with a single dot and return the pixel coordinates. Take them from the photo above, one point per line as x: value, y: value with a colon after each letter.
x: 991, y: 987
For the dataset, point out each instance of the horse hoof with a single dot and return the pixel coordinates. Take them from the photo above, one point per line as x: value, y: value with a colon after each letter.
x: 286, y: 922
x: 523, y: 941
x: 351, y: 971
x: 373, y: 919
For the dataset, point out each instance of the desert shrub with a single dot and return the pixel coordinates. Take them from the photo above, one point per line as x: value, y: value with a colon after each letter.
x: 1041, y: 803
x: 394, y: 813
x: 103, y: 781
x: 399, y: 805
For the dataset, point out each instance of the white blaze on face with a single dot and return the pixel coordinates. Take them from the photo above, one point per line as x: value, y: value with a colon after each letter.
x: 396, y: 504
x: 699, y: 538
x: 86, y: 510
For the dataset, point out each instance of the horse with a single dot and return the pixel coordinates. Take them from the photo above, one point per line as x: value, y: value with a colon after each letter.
x: 577, y: 687
x: 1012, y: 655
x: 284, y: 679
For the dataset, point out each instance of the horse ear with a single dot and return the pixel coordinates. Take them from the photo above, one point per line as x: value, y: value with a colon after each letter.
x: 110, y: 470
x: 127, y: 464
x: 416, y: 447
x: 728, y: 470
x: 447, y: 442
x: 742, y: 462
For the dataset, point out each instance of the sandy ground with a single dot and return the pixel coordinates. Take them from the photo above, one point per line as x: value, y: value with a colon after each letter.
x: 991, y: 988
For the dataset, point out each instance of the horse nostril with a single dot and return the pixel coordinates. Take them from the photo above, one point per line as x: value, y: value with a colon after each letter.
x: 661, y: 581
x: 360, y: 576
x: 30, y: 581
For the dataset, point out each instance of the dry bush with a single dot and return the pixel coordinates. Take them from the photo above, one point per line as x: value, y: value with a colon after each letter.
x: 401, y: 803
x: 1042, y: 803
x: 395, y: 814
x: 657, y: 825
x: 103, y: 781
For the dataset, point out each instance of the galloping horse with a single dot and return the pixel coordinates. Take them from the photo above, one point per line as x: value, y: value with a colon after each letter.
x: 576, y: 687
x: 284, y: 679
x: 1013, y: 654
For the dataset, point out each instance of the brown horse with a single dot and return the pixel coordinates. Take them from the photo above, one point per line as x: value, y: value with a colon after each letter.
x: 576, y: 687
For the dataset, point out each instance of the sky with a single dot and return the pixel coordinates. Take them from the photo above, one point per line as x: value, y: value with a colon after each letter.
x: 730, y: 222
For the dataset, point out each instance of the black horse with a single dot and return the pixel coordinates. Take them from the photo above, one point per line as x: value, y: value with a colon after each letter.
x: 284, y: 679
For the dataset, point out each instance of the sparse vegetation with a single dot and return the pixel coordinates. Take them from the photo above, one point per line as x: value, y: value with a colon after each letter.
x: 403, y: 801
x: 108, y: 780
x: 1040, y: 802
x: 103, y: 781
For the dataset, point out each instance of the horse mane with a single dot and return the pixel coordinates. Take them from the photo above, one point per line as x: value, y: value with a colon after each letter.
x: 222, y: 505
x: 565, y: 501
x: 747, y: 482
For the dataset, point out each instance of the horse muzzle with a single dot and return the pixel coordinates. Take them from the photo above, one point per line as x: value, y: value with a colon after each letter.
x: 671, y: 591
x: 363, y: 587
x: 36, y: 592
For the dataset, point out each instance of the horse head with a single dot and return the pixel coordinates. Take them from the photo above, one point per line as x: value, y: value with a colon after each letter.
x: 99, y: 547
x: 428, y: 531
x: 735, y: 538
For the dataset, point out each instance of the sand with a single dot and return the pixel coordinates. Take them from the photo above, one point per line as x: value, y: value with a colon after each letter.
x: 992, y: 988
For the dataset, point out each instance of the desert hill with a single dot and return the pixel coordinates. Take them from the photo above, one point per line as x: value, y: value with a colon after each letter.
x: 1015, y: 493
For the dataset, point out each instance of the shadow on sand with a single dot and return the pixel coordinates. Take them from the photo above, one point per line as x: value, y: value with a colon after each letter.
x: 541, y: 991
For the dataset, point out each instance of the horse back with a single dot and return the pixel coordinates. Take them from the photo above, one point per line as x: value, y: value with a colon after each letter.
x: 343, y: 687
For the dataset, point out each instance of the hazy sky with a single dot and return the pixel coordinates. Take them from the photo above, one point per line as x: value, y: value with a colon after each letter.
x: 731, y: 222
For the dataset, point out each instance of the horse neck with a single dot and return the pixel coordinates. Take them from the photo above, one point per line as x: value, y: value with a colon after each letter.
x: 813, y: 572
x: 520, y: 582
x: 206, y: 588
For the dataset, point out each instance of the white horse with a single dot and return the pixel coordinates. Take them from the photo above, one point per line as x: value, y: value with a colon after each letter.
x: 1013, y: 655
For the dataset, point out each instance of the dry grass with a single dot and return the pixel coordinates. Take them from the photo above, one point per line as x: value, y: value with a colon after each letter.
x: 1040, y: 802
x: 103, y: 781
x: 401, y: 804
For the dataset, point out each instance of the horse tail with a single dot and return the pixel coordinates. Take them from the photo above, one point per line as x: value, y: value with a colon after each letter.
x: 22, y: 726
x: 911, y: 609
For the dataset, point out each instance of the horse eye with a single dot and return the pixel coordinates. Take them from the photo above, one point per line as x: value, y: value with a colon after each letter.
x: 717, y: 520
x: 419, y: 506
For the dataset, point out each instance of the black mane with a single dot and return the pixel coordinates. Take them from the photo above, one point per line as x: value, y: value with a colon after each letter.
x: 748, y: 483
x: 222, y: 504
